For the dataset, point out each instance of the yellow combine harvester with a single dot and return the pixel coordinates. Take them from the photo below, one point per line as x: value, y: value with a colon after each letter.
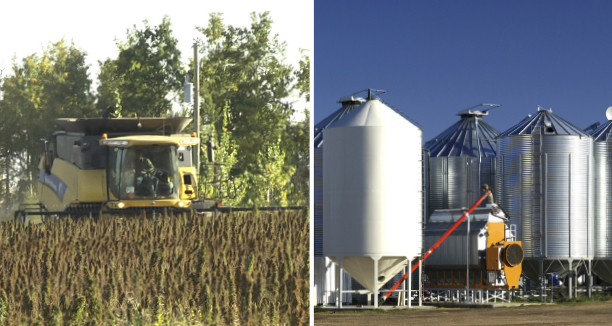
x: 117, y: 165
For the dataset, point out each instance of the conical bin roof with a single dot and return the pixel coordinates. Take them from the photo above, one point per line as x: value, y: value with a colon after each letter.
x: 544, y: 122
x: 470, y: 136
x: 348, y: 104
x: 604, y: 131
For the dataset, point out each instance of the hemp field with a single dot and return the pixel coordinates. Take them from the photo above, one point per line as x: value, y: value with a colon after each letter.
x: 240, y: 268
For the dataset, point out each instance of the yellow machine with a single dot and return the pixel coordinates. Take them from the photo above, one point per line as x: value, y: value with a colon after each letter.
x: 495, y: 259
x: 118, y: 164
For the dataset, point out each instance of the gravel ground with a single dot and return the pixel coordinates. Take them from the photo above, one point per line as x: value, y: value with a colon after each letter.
x: 592, y: 313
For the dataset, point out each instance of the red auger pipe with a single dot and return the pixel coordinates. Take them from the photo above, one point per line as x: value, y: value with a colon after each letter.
x: 436, y: 245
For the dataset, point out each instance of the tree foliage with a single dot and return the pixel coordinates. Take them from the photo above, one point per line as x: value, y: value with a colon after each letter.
x: 303, y: 76
x: 254, y: 150
x: 297, y: 147
x: 39, y: 90
x: 298, y: 140
x: 245, y: 88
x: 146, y: 73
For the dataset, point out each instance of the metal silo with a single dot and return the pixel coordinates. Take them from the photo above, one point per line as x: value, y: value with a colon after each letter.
x: 372, y: 187
x: 602, y: 172
x: 348, y: 104
x: 324, y: 270
x: 461, y: 159
x: 545, y: 184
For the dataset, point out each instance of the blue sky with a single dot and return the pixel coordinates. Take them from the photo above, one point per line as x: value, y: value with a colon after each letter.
x: 436, y: 58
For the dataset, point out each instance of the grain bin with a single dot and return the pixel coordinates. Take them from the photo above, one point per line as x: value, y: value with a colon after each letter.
x: 372, y: 189
x: 602, y: 172
x: 545, y: 184
x: 324, y: 270
x: 461, y: 159
x: 348, y: 104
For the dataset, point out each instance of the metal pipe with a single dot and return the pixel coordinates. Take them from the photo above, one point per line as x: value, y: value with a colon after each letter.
x: 590, y: 280
x: 542, y: 279
x: 339, y: 293
x: 409, y: 285
x: 196, y: 104
x: 570, y: 279
x: 436, y: 245
x: 402, y: 295
x: 375, y: 281
x: 467, y: 276
x: 420, y: 283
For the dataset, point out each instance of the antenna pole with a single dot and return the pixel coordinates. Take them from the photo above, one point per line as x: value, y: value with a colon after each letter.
x: 196, y: 103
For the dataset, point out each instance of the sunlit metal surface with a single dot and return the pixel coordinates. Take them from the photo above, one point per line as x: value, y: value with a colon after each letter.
x: 372, y: 185
x: 546, y: 186
x: 461, y: 159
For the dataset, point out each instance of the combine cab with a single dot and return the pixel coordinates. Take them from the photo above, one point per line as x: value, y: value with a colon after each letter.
x: 117, y: 165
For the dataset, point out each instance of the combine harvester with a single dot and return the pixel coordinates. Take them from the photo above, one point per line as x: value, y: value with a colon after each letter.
x: 117, y: 166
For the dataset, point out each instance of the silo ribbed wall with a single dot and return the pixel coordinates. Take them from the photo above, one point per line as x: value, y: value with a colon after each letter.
x: 546, y: 186
x: 454, y: 182
x: 602, y: 173
x: 602, y: 153
x: 318, y: 202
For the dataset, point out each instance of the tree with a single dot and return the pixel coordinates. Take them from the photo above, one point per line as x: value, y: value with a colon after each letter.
x: 40, y: 90
x: 245, y: 87
x: 297, y: 143
x: 109, y: 82
x: 303, y: 76
x: 145, y: 74
x: 297, y: 147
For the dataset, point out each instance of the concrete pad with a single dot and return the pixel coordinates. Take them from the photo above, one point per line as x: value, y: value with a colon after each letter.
x: 365, y: 307
x: 485, y: 305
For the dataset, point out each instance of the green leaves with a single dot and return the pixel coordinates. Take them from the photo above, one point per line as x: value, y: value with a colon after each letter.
x: 261, y: 153
x: 246, y: 84
x: 303, y: 76
x: 146, y: 74
x: 246, y: 117
x: 39, y: 90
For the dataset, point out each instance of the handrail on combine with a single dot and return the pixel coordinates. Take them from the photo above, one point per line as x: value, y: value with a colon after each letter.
x: 435, y: 245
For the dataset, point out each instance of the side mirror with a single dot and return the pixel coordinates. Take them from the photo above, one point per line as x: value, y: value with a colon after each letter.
x: 43, y: 145
x: 48, y: 158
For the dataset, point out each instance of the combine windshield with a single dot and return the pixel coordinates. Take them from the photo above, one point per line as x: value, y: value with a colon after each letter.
x: 143, y: 172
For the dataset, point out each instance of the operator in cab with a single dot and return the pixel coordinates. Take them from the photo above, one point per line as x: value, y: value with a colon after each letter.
x: 144, y: 172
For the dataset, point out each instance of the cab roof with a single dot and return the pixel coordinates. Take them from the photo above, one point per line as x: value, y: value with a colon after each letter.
x: 98, y: 126
x: 149, y: 140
